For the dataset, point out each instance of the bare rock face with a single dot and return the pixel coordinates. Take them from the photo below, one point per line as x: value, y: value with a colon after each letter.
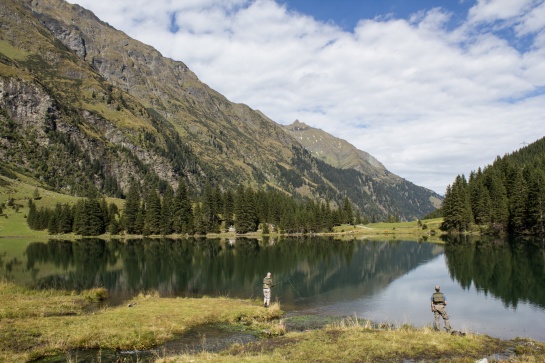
x: 29, y: 105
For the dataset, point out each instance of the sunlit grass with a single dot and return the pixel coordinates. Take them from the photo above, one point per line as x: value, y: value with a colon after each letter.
x: 426, y: 230
x: 355, y: 341
x: 37, y: 323
x: 34, y: 324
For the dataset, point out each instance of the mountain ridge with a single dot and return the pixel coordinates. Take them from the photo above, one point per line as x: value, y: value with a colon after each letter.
x: 336, y: 152
x: 104, y: 109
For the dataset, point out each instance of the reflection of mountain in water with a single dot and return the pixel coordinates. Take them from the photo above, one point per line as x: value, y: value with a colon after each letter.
x: 194, y: 267
x: 513, y: 273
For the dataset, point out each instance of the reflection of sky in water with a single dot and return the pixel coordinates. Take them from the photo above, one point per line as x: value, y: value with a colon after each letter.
x: 407, y: 300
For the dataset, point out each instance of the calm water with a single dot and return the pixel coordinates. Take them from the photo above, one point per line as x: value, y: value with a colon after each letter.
x: 492, y: 289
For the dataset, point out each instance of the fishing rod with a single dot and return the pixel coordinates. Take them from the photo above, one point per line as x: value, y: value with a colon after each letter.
x: 297, y: 291
x: 293, y: 287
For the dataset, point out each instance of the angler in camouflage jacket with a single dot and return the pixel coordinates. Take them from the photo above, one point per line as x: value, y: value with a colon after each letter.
x: 438, y: 307
x: 267, y: 284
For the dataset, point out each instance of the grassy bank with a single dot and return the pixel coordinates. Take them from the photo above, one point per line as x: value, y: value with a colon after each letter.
x: 36, y: 324
x: 356, y: 342
x: 39, y: 323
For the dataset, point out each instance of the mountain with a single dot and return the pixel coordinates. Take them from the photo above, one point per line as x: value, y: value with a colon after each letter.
x: 337, y: 152
x: 343, y: 155
x: 84, y: 107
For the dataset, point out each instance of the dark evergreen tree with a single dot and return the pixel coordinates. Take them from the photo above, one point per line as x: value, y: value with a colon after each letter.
x: 499, y: 212
x: 113, y: 218
x: 105, y: 213
x: 200, y: 221
x: 536, y: 201
x: 457, y: 207
x: 132, y: 210
x: 347, y: 212
x: 167, y: 212
x: 182, y: 214
x: 517, y: 200
x: 480, y: 201
x: 66, y: 219
x: 88, y: 218
x: 152, y: 218
x: 53, y: 224
x: 210, y: 210
x: 327, y: 216
x: 32, y: 215
x: 228, y: 208
x: 245, y: 210
x: 140, y: 221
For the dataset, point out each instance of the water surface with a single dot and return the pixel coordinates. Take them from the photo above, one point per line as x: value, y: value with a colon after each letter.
x: 491, y: 289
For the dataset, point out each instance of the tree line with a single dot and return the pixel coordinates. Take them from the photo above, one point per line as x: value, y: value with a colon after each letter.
x: 506, y: 197
x: 147, y: 211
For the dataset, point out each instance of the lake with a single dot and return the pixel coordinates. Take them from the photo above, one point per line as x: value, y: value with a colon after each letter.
x: 492, y: 287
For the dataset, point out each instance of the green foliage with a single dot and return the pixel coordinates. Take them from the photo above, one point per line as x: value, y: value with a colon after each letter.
x: 89, y: 218
x: 132, y: 209
x: 507, y: 196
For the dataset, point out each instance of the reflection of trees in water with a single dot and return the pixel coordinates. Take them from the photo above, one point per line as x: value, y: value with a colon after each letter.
x: 512, y: 272
x: 190, y: 267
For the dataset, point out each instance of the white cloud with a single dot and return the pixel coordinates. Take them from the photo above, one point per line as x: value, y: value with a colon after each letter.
x: 533, y: 21
x: 429, y: 102
x: 492, y: 10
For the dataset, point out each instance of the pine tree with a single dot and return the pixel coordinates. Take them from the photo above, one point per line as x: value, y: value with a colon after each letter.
x: 78, y: 217
x: 480, y: 202
x: 105, y: 214
x: 53, y: 224
x: 228, y: 208
x: 66, y: 219
x: 32, y: 215
x: 140, y: 221
x: 327, y: 216
x: 89, y: 218
x: 182, y: 214
x: 199, y: 220
x: 536, y: 201
x: 152, y: 219
x: 132, y: 210
x: 209, y: 208
x: 347, y: 211
x: 457, y: 207
x: 245, y: 210
x: 499, y: 212
x: 166, y: 212
x: 358, y: 218
x: 517, y: 201
x: 113, y: 215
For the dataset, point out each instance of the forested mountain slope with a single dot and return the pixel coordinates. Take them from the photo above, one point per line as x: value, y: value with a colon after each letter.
x: 506, y: 196
x: 85, y: 107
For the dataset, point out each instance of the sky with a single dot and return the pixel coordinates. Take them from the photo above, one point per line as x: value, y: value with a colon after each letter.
x: 432, y: 89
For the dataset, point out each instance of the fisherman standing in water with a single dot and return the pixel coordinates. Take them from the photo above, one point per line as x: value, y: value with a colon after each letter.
x: 438, y: 307
x: 267, y: 284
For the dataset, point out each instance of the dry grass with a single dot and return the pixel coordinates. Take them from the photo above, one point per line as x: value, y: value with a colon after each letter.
x: 38, y: 323
x: 352, y: 341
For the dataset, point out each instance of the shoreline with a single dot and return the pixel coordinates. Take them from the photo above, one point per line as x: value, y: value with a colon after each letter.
x: 48, y: 323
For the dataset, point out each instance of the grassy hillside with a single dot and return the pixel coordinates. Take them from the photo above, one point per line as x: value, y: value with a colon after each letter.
x: 13, y: 221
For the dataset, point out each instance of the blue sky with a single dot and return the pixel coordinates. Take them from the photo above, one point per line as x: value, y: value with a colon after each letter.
x: 347, y: 13
x: 432, y: 89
